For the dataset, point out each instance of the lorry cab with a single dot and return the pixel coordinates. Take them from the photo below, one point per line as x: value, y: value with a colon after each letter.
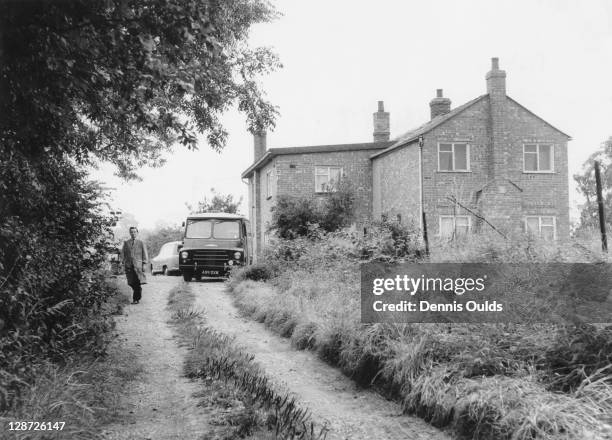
x: 214, y: 243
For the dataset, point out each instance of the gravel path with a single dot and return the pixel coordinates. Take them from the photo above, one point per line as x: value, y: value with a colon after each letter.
x: 159, y: 405
x: 352, y: 413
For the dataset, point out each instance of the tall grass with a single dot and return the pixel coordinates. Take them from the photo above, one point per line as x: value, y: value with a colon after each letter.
x: 484, y: 381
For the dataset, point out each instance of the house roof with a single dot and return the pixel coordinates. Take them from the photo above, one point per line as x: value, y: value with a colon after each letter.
x: 414, y: 134
x: 272, y: 152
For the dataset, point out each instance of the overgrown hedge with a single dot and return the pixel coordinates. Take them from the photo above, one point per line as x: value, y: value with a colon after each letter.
x: 52, y: 245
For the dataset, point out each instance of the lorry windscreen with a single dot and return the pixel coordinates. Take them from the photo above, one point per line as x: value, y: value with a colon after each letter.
x: 220, y: 229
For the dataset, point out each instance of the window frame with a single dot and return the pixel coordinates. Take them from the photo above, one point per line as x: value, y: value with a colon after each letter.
x: 537, y: 153
x: 454, y: 217
x: 268, y: 184
x: 539, y: 217
x: 468, y: 163
x: 328, y: 168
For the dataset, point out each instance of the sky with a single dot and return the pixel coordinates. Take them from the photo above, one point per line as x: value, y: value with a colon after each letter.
x: 340, y: 57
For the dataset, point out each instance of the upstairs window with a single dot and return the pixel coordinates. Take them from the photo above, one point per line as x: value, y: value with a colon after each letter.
x: 542, y: 226
x: 538, y: 158
x: 452, y: 226
x: 453, y: 157
x: 327, y: 178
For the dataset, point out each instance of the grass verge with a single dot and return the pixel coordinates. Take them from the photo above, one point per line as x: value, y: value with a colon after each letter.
x: 83, y: 391
x: 484, y: 381
x: 247, y: 404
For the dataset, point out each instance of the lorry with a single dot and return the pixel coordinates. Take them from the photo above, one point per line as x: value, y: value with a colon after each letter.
x: 214, y: 243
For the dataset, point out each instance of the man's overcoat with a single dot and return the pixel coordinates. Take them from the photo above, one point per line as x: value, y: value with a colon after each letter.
x: 134, y: 255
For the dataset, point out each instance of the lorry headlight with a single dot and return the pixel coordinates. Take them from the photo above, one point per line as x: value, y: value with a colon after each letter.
x: 184, y: 255
x: 237, y: 255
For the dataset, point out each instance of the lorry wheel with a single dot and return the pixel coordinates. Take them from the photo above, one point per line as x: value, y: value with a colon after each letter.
x: 187, y: 276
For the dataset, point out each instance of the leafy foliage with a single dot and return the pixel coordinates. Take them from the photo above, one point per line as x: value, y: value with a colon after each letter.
x: 294, y: 217
x: 218, y: 203
x: 585, y: 180
x: 89, y: 80
x: 120, y: 80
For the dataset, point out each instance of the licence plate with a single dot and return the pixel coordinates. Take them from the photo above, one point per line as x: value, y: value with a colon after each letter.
x: 210, y: 272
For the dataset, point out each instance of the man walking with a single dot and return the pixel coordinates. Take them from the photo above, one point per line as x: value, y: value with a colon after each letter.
x: 135, y: 258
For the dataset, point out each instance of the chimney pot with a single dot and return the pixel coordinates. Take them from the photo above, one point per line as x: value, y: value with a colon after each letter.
x: 496, y: 79
x: 439, y: 105
x: 381, y: 124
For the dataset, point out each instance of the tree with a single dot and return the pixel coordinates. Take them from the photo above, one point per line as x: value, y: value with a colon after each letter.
x: 121, y: 80
x: 586, y: 186
x: 218, y: 203
x: 89, y: 80
x: 161, y: 235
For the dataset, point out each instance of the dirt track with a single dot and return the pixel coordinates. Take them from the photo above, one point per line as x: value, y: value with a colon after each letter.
x: 352, y: 413
x: 160, y: 404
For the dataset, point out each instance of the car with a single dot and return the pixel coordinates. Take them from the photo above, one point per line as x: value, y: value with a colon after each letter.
x: 167, y: 261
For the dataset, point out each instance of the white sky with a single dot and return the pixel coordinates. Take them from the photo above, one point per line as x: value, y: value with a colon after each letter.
x: 340, y: 57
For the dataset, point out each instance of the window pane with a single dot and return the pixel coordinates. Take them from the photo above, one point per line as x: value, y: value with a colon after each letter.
x: 462, y: 225
x: 198, y: 229
x: 462, y: 221
x: 446, y: 147
x: 547, y: 221
x: 321, y: 183
x: 334, y: 178
x: 227, y: 230
x: 446, y: 161
x: 547, y: 233
x: 531, y: 161
x: 531, y: 148
x: 545, y: 157
x: 446, y: 226
x: 533, y: 225
x: 460, y: 157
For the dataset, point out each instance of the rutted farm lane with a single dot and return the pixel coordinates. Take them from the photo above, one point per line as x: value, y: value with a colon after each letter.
x: 351, y: 413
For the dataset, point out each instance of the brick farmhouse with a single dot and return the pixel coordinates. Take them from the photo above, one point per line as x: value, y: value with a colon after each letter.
x: 487, y: 162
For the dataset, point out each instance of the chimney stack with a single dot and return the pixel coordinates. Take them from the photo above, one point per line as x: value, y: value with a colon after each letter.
x: 259, y: 144
x: 439, y: 105
x: 496, y: 79
x: 381, y: 124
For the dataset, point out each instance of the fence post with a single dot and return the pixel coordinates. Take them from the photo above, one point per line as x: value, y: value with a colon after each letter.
x: 600, y: 205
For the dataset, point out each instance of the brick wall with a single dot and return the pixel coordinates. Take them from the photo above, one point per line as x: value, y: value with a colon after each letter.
x: 296, y: 176
x: 488, y: 188
x: 470, y: 126
x: 396, y: 187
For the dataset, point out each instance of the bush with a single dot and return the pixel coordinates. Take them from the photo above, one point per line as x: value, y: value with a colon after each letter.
x: 52, y: 244
x: 294, y: 217
x: 391, y: 241
x: 257, y: 272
